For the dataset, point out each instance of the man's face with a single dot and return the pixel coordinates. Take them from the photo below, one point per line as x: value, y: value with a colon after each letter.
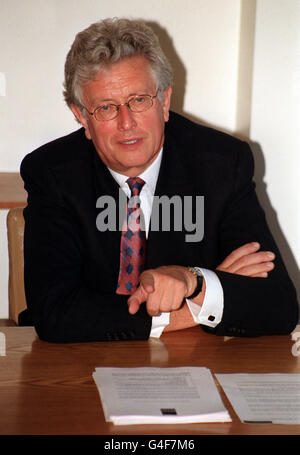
x: 129, y: 143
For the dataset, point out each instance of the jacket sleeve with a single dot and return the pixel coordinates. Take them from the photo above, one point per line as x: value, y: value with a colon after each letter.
x: 252, y: 306
x: 62, y: 305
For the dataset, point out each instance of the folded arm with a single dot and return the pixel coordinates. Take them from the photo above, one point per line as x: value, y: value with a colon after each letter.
x: 259, y: 297
x: 166, y: 288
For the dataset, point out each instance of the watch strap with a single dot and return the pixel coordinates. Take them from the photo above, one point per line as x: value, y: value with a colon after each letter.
x: 197, y: 272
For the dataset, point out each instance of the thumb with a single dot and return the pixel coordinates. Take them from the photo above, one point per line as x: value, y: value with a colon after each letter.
x: 147, y: 281
x: 141, y: 294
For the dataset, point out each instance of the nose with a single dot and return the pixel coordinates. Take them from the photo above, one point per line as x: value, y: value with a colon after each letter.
x: 126, y: 119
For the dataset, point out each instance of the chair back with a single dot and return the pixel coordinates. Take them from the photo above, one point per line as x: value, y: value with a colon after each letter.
x: 15, y: 236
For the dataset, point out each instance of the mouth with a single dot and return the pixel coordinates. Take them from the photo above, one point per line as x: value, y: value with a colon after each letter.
x: 131, y: 143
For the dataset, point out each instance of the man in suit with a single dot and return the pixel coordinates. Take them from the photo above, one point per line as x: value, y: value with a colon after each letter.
x: 231, y: 280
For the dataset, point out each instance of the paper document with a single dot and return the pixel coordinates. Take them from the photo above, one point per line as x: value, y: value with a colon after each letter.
x: 263, y: 398
x: 159, y: 395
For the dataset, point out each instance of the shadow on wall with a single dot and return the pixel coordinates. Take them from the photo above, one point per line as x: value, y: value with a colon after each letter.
x: 271, y: 216
x: 179, y: 70
x: 177, y: 104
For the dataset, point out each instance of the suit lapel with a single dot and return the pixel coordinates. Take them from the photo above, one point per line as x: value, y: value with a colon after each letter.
x: 105, y: 185
x: 173, y: 181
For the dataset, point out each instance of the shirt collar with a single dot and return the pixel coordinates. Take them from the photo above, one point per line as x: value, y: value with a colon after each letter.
x: 150, y: 175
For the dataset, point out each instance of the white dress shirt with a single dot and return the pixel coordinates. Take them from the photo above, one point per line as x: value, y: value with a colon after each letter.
x: 211, y: 311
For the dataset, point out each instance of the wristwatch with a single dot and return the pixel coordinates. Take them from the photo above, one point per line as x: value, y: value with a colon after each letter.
x: 197, y: 272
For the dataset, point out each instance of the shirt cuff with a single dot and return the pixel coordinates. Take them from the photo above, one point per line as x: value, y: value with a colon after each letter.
x: 158, y: 324
x: 211, y: 311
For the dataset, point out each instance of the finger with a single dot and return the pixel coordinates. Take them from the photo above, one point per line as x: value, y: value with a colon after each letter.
x: 260, y: 275
x: 157, y: 302
x: 251, y: 259
x: 141, y: 294
x: 153, y: 306
x: 165, y: 299
x: 244, y: 250
x: 136, y: 299
x: 133, y: 305
x: 255, y: 269
x: 147, y: 281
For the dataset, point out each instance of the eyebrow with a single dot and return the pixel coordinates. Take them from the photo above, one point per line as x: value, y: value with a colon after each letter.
x: 112, y: 101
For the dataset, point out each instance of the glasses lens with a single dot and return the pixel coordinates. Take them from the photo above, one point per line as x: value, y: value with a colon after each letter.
x: 106, y: 112
x: 140, y: 103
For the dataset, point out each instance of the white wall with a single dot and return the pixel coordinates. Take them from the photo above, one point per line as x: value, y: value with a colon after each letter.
x: 210, y: 44
x: 275, y: 122
x: 39, y: 33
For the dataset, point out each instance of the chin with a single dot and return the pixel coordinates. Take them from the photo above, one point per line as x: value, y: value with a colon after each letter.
x: 137, y: 161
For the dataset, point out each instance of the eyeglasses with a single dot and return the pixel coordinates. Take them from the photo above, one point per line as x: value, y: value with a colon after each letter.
x: 137, y: 103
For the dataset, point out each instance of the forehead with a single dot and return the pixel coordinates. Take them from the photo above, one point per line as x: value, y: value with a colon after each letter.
x: 120, y: 80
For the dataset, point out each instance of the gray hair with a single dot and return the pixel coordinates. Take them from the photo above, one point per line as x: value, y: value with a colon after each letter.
x: 107, y: 42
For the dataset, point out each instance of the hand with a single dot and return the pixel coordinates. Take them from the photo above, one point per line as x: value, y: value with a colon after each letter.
x: 247, y: 261
x: 163, y: 289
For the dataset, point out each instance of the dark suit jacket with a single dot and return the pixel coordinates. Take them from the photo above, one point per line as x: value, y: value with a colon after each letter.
x: 71, y: 269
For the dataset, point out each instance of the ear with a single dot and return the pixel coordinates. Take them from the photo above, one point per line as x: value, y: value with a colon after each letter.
x: 81, y: 119
x: 166, y: 103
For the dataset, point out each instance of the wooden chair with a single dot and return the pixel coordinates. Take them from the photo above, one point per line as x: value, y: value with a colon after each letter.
x: 15, y: 236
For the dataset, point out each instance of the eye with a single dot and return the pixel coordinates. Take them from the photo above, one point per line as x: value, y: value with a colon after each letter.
x: 140, y: 99
x: 105, y: 108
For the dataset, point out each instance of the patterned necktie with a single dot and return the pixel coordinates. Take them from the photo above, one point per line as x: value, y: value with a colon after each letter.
x: 133, y: 241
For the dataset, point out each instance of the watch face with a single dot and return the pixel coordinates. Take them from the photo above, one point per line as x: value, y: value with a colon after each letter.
x: 196, y: 271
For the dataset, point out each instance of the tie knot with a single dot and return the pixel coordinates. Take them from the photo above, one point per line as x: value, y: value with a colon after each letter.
x: 135, y: 184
